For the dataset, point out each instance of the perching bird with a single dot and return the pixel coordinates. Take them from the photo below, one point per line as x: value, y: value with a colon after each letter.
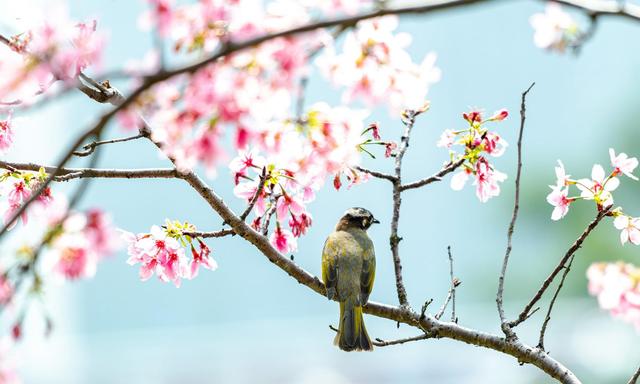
x: 348, y: 271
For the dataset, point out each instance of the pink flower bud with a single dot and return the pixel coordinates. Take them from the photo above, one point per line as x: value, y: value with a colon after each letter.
x: 499, y: 115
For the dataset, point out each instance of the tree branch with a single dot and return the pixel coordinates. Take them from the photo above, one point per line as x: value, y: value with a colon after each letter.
x: 452, y: 166
x: 635, y: 377
x: 91, y: 147
x: 207, y: 235
x: 394, y: 239
x: 65, y: 174
x: 256, y: 195
x: 382, y: 343
x: 522, y: 352
x: 553, y: 300
x: 573, y: 249
x: 379, y: 175
x: 516, y: 204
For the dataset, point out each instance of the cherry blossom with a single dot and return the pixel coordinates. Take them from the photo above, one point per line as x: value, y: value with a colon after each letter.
x: 477, y: 140
x: 6, y: 133
x: 623, y: 164
x: 617, y: 290
x: 75, y: 259
x: 162, y: 252
x: 630, y: 229
x: 283, y: 240
x: 599, y: 187
x: 554, y: 29
x: 558, y: 198
x: 375, y: 66
x: 487, y: 180
x: 201, y: 258
x: 6, y: 290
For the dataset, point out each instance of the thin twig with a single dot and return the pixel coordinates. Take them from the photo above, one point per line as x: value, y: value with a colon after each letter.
x: 573, y: 249
x: 635, y: 377
x: 451, y: 294
x: 91, y: 147
x: 455, y: 282
x: 256, y: 195
x: 516, y: 205
x: 382, y: 343
x: 450, y: 167
x: 379, y: 175
x: 214, y: 234
x: 553, y: 300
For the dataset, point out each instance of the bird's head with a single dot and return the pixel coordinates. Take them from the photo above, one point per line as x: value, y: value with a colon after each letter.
x: 356, y: 218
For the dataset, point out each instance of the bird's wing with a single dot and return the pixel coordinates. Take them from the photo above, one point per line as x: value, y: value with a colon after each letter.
x: 368, y: 274
x: 329, y: 265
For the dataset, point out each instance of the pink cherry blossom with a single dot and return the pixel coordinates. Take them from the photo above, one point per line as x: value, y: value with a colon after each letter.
x: 283, y: 240
x: 375, y: 66
x: 617, y: 290
x: 201, y: 258
x: 554, y: 29
x: 100, y: 232
x: 558, y: 198
x: 493, y: 144
x: 75, y: 259
x: 389, y: 147
x: 599, y: 187
x: 623, y: 164
x: 286, y: 204
x: 6, y: 291
x: 160, y: 15
x: 562, y: 179
x: 6, y: 134
x: 300, y: 223
x: 630, y: 229
x: 460, y: 179
x: 447, y: 139
x: 487, y: 180
x: 499, y: 115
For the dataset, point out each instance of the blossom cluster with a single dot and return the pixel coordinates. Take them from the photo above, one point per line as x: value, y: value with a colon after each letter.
x: 375, y: 66
x: 17, y: 186
x: 477, y: 141
x: 555, y: 29
x: 162, y: 251
x: 598, y: 188
x: 80, y: 242
x: 325, y: 142
x: 616, y: 285
x: 56, y: 48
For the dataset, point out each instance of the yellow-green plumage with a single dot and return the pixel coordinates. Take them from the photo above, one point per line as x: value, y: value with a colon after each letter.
x: 348, y: 271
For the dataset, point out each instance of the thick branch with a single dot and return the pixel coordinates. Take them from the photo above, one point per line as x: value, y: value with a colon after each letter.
x: 516, y: 205
x: 65, y: 174
x: 436, y: 177
x: 522, y: 352
x: 394, y: 239
x: 573, y: 249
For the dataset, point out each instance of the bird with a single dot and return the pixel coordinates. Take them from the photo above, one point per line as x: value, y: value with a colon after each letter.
x: 348, y: 272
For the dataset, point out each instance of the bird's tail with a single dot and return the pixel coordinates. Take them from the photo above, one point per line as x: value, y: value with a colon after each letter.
x: 352, y: 334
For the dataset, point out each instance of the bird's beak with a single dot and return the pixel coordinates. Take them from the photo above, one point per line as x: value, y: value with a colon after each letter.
x: 375, y: 221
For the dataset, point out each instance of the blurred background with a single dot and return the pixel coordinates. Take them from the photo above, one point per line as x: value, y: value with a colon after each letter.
x: 249, y: 322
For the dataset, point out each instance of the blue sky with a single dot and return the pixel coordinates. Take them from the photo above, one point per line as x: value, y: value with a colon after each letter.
x: 248, y: 321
